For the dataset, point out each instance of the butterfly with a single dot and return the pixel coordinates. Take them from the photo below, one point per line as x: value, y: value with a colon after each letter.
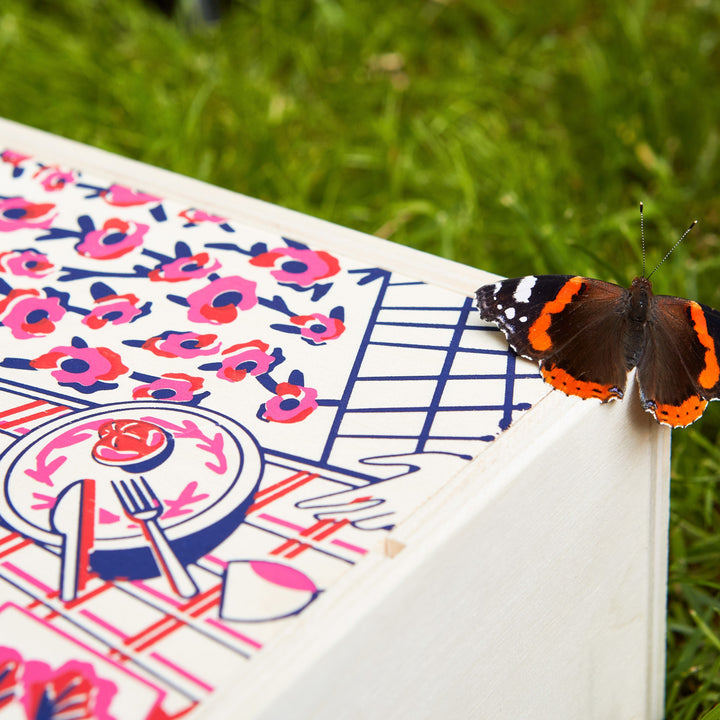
x: 588, y: 334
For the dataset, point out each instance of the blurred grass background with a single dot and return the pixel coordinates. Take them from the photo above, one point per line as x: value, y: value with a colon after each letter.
x: 514, y: 136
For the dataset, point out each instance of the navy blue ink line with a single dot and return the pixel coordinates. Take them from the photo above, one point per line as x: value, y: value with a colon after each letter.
x: 441, y: 408
x: 355, y: 370
x: 487, y: 376
x: 421, y: 308
x: 442, y: 380
x: 418, y: 324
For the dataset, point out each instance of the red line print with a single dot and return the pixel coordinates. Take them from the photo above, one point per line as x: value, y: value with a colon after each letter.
x: 286, y: 548
x: 281, y: 491
x: 316, y: 531
x: 35, y: 416
x: 21, y: 408
x: 15, y: 548
x: 168, y: 624
x: 348, y: 546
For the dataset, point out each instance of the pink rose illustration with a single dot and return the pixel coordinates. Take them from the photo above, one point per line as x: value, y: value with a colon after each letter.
x: 117, y: 238
x: 19, y: 214
x: 219, y: 302
x: 298, y: 266
x: 318, y: 328
x: 81, y: 367
x: 182, y: 344
x: 30, y: 313
x: 247, y: 358
x: 29, y: 263
x: 114, y: 309
x: 291, y: 404
x: 175, y: 387
x: 123, y: 196
x: 185, y: 268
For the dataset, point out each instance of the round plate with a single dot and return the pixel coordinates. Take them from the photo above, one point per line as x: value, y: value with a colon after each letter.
x: 209, y: 472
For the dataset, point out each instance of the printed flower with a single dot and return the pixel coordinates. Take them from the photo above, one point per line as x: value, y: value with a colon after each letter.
x: 291, y: 404
x: 18, y: 214
x: 317, y: 328
x: 53, y: 179
x: 185, y: 268
x: 115, y: 309
x: 29, y: 313
x: 117, y: 238
x: 81, y: 367
x: 122, y: 196
x: 176, y: 387
x: 72, y: 691
x: 199, y: 216
x: 182, y: 344
x: 14, y: 158
x: 218, y: 303
x: 298, y: 266
x: 10, y: 664
x: 250, y: 357
x: 29, y: 263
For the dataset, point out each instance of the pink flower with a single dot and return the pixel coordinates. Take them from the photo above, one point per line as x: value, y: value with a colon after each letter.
x: 176, y: 387
x: 122, y: 196
x: 14, y: 158
x: 25, y: 262
x: 200, y: 216
x: 117, y: 238
x: 18, y: 214
x: 218, y: 303
x: 114, y: 309
x: 81, y: 366
x: 74, y: 691
x: 185, y: 345
x: 185, y: 268
x: 250, y: 357
x: 318, y: 328
x: 29, y: 313
x: 53, y: 179
x: 298, y: 266
x: 291, y: 404
x: 10, y: 664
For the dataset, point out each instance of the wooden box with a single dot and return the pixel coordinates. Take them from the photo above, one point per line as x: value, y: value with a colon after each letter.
x: 256, y: 465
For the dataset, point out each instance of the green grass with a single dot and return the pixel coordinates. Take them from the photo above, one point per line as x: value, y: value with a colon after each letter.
x: 514, y: 136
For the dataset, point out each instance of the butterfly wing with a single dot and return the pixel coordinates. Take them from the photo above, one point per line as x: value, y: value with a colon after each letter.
x: 678, y: 373
x: 575, y: 327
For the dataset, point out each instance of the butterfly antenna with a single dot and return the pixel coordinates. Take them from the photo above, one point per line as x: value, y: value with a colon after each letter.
x: 669, y: 252
x: 642, y: 237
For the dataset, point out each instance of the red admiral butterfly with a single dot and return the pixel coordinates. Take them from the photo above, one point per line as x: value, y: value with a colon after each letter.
x: 588, y: 334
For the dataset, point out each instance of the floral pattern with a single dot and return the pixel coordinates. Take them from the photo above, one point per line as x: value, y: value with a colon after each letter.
x: 271, y: 306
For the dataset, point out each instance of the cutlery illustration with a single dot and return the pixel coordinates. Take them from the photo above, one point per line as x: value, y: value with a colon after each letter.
x: 140, y: 504
x: 66, y: 520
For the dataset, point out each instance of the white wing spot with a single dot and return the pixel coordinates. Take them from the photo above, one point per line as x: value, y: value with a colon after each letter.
x: 523, y: 319
x: 510, y: 313
x: 524, y: 289
x: 496, y: 288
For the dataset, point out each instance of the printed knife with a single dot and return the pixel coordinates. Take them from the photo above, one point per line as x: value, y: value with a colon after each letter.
x: 66, y: 520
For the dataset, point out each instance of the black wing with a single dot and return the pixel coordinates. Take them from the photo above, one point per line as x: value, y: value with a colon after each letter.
x: 575, y: 327
x: 679, y: 373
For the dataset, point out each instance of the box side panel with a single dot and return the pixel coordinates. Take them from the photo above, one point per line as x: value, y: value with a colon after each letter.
x: 546, y: 602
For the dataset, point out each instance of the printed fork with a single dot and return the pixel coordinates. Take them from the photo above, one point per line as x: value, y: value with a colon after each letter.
x: 140, y: 503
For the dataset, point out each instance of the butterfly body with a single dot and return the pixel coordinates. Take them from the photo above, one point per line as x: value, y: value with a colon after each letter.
x: 588, y: 334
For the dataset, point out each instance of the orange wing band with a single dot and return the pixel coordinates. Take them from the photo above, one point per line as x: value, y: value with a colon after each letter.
x: 538, y: 332
x: 679, y: 415
x: 562, y: 380
x: 711, y: 372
